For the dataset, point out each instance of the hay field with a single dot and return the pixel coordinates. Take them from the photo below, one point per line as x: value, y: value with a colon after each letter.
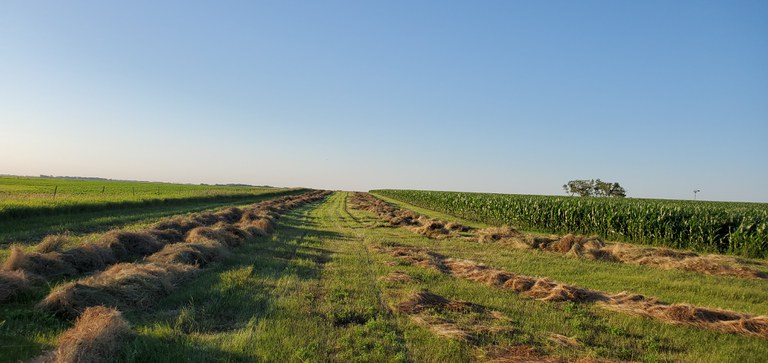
x: 349, y: 277
x: 31, y: 208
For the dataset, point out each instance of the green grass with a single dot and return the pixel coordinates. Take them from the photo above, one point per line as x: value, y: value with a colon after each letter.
x: 312, y: 292
x: 22, y: 197
x: 718, y: 227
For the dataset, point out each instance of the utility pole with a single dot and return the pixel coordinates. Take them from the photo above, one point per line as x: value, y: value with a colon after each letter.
x: 695, y: 191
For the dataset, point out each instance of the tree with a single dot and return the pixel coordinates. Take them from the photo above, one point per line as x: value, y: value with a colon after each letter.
x: 617, y: 191
x: 595, y: 187
x: 584, y: 188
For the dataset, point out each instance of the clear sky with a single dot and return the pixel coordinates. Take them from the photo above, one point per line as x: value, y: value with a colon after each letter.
x: 498, y: 96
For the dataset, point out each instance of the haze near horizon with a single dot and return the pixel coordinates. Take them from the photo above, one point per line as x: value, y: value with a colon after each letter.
x: 506, y: 97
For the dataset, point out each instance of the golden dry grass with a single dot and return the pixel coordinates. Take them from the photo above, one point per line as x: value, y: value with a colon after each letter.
x: 13, y: 283
x: 397, y: 277
x: 98, y: 334
x: 451, y: 318
x: 48, y: 265
x: 123, y: 286
x: 497, y: 234
x: 52, y: 243
x: 190, y: 253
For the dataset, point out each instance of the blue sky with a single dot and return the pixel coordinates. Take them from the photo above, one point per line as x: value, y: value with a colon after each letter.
x: 497, y: 96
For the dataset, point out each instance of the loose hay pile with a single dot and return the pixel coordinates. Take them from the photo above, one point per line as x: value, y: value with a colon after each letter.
x: 498, y: 234
x: 122, y: 286
x: 415, y: 256
x: 191, y: 253
x: 453, y: 319
x: 397, y: 277
x: 688, y: 261
x: 52, y: 243
x: 14, y: 283
x: 96, y: 337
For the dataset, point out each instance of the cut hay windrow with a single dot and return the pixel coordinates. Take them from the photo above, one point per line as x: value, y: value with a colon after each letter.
x: 416, y: 256
x: 466, y: 321
x: 594, y: 248
x: 470, y: 321
x: 140, y: 285
x: 399, y: 217
x: 122, y: 286
x: 227, y: 226
x: 397, y: 277
x: 14, y: 283
x: 547, y: 290
x: 570, y: 245
x: 191, y: 253
x: 98, y: 334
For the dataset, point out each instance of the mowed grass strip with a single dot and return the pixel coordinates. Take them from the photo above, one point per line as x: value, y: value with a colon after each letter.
x: 300, y: 295
x: 600, y: 333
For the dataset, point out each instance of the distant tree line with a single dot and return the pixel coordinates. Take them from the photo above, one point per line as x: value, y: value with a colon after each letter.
x: 594, y: 188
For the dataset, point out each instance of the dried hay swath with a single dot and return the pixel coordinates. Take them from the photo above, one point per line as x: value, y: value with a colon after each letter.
x: 497, y: 234
x: 193, y: 253
x: 397, y: 277
x: 130, y: 246
x: 98, y: 334
x: 52, y: 243
x: 547, y: 290
x: 122, y: 286
x: 452, y: 318
x: 594, y: 248
x: 47, y: 265
x: 14, y: 283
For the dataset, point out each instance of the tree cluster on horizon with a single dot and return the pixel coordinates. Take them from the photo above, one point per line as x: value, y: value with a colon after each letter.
x: 594, y: 188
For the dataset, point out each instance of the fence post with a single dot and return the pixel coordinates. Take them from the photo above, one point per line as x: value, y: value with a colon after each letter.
x: 55, y: 189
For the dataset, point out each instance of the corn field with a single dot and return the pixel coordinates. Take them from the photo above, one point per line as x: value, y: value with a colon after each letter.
x: 717, y: 227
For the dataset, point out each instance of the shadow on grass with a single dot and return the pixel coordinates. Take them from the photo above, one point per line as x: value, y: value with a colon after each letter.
x: 172, y: 347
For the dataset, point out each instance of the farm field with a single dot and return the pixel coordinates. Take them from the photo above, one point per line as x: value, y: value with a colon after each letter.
x: 28, y: 210
x: 716, y: 227
x: 348, y: 277
x: 29, y: 196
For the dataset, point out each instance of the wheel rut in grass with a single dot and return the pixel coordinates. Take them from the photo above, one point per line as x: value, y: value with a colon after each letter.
x: 351, y: 298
